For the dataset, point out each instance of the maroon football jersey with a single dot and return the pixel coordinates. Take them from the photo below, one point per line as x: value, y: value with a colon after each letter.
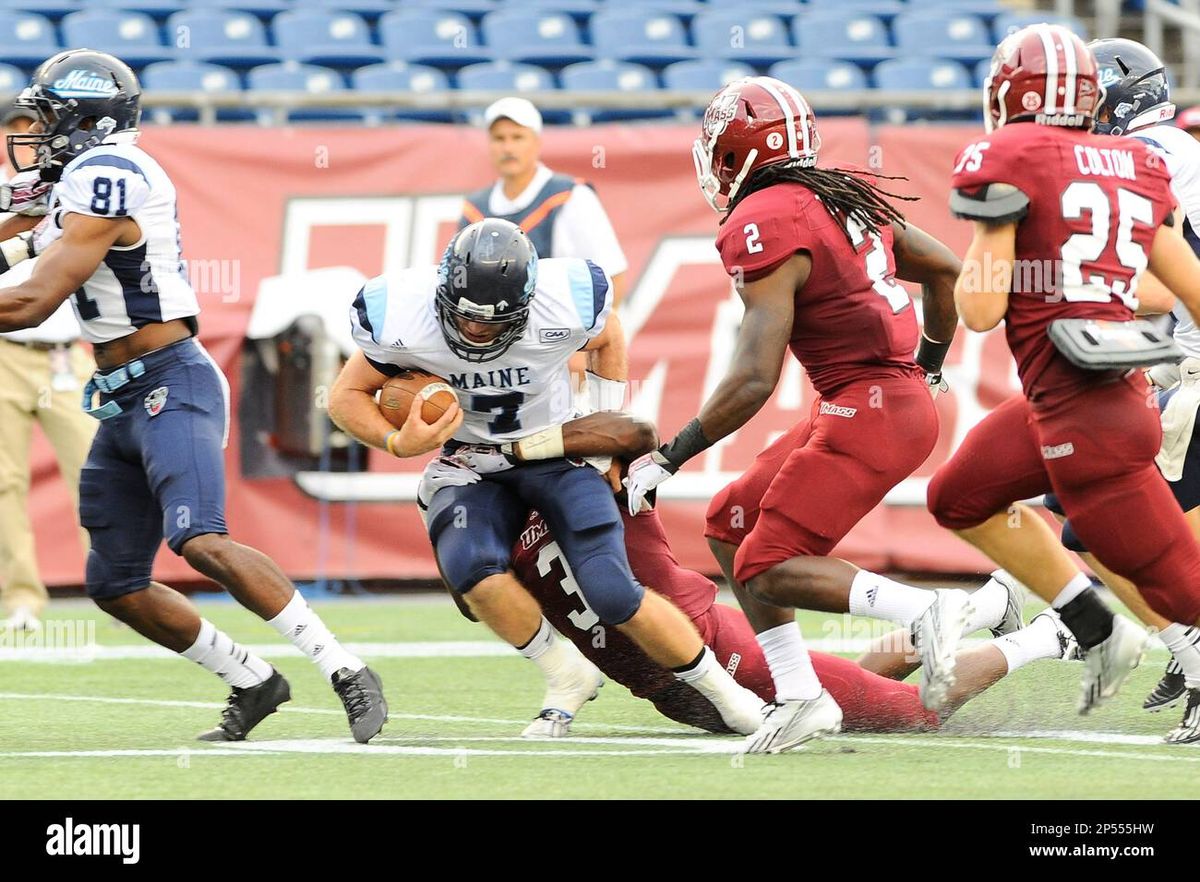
x: 1095, y: 204
x: 852, y: 319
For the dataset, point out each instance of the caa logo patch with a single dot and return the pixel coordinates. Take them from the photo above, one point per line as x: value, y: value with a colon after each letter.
x: 156, y: 400
x: 553, y: 335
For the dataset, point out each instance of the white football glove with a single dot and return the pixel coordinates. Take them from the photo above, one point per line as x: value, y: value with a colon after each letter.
x: 26, y: 194
x: 483, y: 459
x: 645, y: 473
x: 937, y: 384
x: 438, y: 474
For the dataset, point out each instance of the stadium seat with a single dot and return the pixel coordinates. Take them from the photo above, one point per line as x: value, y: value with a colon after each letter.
x: 982, y: 69
x: 431, y: 36
x: 536, y: 36
x: 646, y: 37
x: 368, y: 9
x: 755, y: 38
x: 504, y: 76
x: 318, y: 36
x: 260, y: 8
x: 191, y: 76
x: 580, y: 10
x: 12, y: 79
x: 1008, y: 22
x: 156, y: 8
x: 594, y: 76
x: 473, y: 9
x: 988, y: 9
x: 848, y: 35
x: 399, y: 76
x: 131, y: 36
x: 956, y: 35
x: 922, y: 74
x: 291, y: 76
x: 882, y: 8
x: 52, y: 9
x: 26, y: 39
x: 703, y: 74
x: 237, y: 39
x: 684, y: 8
x: 820, y: 74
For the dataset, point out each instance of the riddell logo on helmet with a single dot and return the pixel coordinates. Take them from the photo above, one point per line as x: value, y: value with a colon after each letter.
x: 80, y: 80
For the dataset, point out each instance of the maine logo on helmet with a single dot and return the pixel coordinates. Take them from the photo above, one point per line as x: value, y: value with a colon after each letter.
x: 752, y: 123
x: 1042, y: 73
x: 487, y: 276
x: 1137, y: 92
x: 81, y: 99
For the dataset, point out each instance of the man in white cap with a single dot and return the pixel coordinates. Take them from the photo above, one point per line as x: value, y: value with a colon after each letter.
x: 561, y: 215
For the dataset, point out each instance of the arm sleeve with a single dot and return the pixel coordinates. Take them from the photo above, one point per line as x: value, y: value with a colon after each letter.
x: 368, y: 314
x: 103, y: 186
x: 585, y: 230
x: 591, y: 294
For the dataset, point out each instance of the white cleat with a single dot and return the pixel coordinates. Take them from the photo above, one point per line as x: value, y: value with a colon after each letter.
x: 566, y: 693
x: 22, y: 619
x: 935, y: 635
x: 1068, y: 646
x: 1107, y: 664
x: 1016, y: 602
x: 791, y: 723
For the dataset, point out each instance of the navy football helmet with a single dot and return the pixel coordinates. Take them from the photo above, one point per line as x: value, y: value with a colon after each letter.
x: 487, y: 277
x: 1137, y: 93
x: 80, y: 97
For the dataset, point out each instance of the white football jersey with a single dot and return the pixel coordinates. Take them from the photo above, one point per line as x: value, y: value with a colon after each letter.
x: 1181, y: 152
x: 136, y: 285
x: 525, y: 390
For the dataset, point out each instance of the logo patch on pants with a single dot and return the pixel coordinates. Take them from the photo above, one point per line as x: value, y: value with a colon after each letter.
x: 1057, y: 451
x: 156, y: 400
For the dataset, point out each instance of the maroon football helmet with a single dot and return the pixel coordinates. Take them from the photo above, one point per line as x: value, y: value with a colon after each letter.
x: 1045, y: 73
x: 750, y: 124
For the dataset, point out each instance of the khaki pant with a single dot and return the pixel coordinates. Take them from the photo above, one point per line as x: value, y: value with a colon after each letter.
x: 26, y: 396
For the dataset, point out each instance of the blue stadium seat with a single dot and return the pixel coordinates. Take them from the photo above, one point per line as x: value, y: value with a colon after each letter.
x: 399, y: 76
x: 756, y: 38
x: 982, y: 69
x: 131, y: 36
x: 580, y: 10
x: 368, y: 9
x: 431, y: 36
x: 12, y: 79
x: 26, y: 39
x: 883, y: 8
x: 261, y: 8
x: 705, y: 74
x: 291, y: 76
x: 956, y: 35
x: 536, y: 36
x: 473, y: 9
x: 191, y: 76
x: 685, y: 8
x: 504, y: 76
x: 594, y: 76
x: 922, y: 74
x: 820, y: 74
x: 318, y: 36
x: 52, y: 9
x: 647, y: 37
x: 224, y: 36
x: 1008, y: 22
x: 849, y: 35
x: 157, y: 8
x: 988, y: 9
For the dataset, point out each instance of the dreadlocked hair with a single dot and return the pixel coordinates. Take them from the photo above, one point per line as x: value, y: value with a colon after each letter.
x: 847, y: 194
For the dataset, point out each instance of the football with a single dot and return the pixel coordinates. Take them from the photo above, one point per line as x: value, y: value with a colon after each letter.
x: 395, y: 398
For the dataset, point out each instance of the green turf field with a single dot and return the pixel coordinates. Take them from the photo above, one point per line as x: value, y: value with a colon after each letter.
x: 122, y: 727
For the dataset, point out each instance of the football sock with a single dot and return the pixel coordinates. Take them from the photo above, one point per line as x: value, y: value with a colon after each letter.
x: 299, y: 624
x: 882, y: 598
x: 989, y: 604
x: 789, y: 661
x: 1037, y: 640
x: 215, y: 651
x: 1085, y: 613
x: 1182, y: 641
x: 550, y: 654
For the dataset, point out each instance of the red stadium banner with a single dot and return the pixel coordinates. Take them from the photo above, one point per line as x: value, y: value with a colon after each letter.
x: 268, y: 212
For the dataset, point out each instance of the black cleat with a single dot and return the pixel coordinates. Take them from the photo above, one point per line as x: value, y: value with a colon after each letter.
x: 1188, y: 730
x: 247, y: 707
x: 1168, y: 691
x: 362, y: 696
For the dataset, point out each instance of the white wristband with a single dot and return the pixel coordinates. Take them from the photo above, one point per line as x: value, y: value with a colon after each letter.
x: 605, y: 394
x: 17, y: 249
x: 547, y: 444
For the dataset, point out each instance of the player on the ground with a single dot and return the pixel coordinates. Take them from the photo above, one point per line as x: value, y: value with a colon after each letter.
x: 868, y: 692
x: 1094, y: 210
x: 1137, y: 104
x: 156, y: 468
x: 501, y: 326
x: 815, y: 253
